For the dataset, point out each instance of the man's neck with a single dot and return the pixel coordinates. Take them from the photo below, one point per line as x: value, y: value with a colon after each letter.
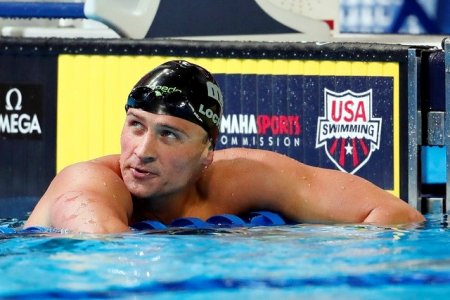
x: 164, y: 208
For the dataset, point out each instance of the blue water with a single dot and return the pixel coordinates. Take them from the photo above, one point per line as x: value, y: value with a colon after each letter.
x: 285, y: 262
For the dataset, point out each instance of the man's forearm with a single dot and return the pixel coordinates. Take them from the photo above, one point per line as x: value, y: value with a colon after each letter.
x: 393, y: 214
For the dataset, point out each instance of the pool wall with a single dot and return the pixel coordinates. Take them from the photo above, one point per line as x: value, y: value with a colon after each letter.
x: 355, y: 107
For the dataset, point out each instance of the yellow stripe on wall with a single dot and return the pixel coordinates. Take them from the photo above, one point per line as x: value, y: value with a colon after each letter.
x: 392, y: 69
x: 92, y: 91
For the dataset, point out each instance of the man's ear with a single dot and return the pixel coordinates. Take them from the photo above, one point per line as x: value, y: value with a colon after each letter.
x: 209, y: 157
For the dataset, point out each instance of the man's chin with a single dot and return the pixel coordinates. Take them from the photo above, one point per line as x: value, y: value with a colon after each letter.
x: 139, y: 191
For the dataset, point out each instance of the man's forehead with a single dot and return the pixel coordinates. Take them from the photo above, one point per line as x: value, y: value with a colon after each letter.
x: 162, y: 119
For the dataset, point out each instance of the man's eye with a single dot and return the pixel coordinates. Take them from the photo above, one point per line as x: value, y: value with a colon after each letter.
x: 169, y: 134
x: 135, y: 124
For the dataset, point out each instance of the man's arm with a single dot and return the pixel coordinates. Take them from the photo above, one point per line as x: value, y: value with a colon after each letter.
x: 309, y: 194
x: 84, y: 197
x: 342, y: 197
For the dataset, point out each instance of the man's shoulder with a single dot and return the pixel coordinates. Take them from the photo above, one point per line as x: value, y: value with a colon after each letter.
x: 233, y: 153
x: 236, y: 163
x: 243, y: 179
x: 241, y: 165
x: 109, y: 161
x: 248, y: 154
x: 108, y: 164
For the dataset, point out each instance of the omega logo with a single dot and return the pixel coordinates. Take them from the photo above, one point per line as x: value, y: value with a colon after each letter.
x: 8, y: 99
x: 14, y: 121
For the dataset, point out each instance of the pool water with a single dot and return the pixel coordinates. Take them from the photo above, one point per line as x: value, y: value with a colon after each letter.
x: 279, y: 262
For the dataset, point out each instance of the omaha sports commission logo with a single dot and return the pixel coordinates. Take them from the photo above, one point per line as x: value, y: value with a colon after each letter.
x: 249, y: 130
x: 348, y: 131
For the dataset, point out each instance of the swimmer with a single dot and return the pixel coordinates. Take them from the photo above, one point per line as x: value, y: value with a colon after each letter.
x: 168, y: 169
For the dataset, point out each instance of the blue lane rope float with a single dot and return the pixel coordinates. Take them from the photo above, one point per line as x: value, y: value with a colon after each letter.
x: 266, y: 218
x: 259, y: 218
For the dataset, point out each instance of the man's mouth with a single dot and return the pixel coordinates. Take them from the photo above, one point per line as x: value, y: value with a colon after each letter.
x: 142, y: 173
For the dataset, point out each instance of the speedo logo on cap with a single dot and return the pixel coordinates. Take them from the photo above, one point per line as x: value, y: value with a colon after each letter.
x: 161, y: 90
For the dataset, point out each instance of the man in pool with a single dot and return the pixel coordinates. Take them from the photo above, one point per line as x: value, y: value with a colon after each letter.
x: 168, y: 169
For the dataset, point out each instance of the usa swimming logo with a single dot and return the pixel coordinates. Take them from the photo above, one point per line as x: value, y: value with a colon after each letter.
x: 348, y: 131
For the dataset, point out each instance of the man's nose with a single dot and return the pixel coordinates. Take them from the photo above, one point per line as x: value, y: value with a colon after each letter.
x: 146, y: 149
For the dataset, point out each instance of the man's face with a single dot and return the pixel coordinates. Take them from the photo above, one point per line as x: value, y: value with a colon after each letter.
x: 161, y: 154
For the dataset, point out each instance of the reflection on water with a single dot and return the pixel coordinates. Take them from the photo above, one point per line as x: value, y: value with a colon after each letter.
x: 318, y: 261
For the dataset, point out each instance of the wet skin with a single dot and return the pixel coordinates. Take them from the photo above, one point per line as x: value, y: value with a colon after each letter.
x: 167, y: 170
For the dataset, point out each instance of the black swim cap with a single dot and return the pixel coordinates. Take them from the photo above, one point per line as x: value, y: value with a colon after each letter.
x: 180, y: 89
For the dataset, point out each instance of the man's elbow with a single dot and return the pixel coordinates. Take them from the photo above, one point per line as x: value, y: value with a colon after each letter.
x: 393, y: 215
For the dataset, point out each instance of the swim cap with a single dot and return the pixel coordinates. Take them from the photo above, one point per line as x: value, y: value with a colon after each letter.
x: 180, y: 89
